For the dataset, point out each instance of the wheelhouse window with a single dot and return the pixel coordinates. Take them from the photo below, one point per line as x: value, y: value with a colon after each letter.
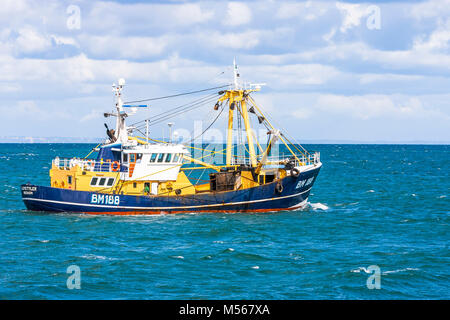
x: 153, y: 157
x: 110, y: 182
x: 125, y: 157
x: 100, y: 182
x: 138, y: 157
x: 94, y: 181
x: 176, y: 157
x: 69, y: 179
x: 168, y: 157
x: 161, y: 157
x: 132, y: 157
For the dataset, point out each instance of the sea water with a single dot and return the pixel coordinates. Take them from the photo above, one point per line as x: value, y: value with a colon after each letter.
x: 376, y: 227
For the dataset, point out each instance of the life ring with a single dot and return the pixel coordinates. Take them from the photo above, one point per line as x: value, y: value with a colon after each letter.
x: 115, y: 166
x: 295, y: 172
x: 279, y: 187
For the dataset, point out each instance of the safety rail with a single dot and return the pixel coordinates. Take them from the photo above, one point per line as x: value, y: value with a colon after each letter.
x: 280, y: 159
x: 89, y: 165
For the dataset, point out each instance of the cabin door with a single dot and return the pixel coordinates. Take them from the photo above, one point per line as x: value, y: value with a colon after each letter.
x: 154, y: 189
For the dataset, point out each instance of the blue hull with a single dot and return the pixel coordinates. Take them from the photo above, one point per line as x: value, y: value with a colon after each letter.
x: 262, y: 198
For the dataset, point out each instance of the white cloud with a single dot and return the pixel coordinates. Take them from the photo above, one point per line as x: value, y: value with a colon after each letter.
x: 302, y: 113
x: 235, y: 40
x: 11, y: 7
x: 288, y: 10
x: 10, y: 87
x: 430, y: 9
x: 123, y: 47
x: 368, y: 78
x: 163, y: 47
x: 329, y: 36
x: 92, y: 115
x: 291, y: 75
x: 188, y: 14
x: 81, y: 69
x: 30, y: 41
x: 143, y: 17
x: 61, y: 40
x: 365, y: 107
x: 308, y: 10
x: 438, y: 40
x: 237, y: 14
x: 352, y: 52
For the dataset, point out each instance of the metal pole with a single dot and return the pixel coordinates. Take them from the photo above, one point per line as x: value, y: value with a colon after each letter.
x: 170, y: 124
x: 146, y: 129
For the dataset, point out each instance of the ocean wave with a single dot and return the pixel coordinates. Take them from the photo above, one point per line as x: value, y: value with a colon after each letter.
x: 96, y: 257
x: 358, y: 270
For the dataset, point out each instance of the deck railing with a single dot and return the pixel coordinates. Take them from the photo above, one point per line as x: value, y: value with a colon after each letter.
x: 308, y: 159
x: 89, y: 165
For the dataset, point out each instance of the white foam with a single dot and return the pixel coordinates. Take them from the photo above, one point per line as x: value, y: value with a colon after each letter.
x: 178, y: 257
x: 318, y: 206
x: 93, y: 257
x: 400, y: 270
x: 371, y: 191
x: 360, y: 269
x: 255, y: 267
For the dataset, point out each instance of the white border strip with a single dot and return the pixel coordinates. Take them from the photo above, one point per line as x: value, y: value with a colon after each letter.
x: 162, y: 208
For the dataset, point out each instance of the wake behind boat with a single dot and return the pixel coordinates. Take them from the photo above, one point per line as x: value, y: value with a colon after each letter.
x: 140, y: 175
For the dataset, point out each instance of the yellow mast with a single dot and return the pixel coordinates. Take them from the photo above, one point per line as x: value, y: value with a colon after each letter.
x: 230, y: 132
x: 248, y: 130
x: 236, y: 96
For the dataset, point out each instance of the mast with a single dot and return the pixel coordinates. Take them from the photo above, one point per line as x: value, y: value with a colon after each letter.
x: 120, y: 133
x: 237, y: 98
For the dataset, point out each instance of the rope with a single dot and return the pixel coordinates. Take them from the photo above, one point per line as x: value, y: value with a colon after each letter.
x: 92, y: 151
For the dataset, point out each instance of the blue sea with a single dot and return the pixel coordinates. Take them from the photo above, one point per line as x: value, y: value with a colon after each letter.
x: 377, y: 215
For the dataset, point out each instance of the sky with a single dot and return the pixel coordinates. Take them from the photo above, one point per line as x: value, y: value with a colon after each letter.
x: 333, y: 70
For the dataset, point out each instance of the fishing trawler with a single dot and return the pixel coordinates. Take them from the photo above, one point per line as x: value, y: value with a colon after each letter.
x: 135, y: 175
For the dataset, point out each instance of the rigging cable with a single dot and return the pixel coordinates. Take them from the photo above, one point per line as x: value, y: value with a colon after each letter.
x: 207, y: 128
x: 177, y: 95
x: 176, y: 111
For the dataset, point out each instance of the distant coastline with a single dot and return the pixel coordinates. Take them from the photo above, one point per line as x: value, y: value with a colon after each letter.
x: 17, y: 139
